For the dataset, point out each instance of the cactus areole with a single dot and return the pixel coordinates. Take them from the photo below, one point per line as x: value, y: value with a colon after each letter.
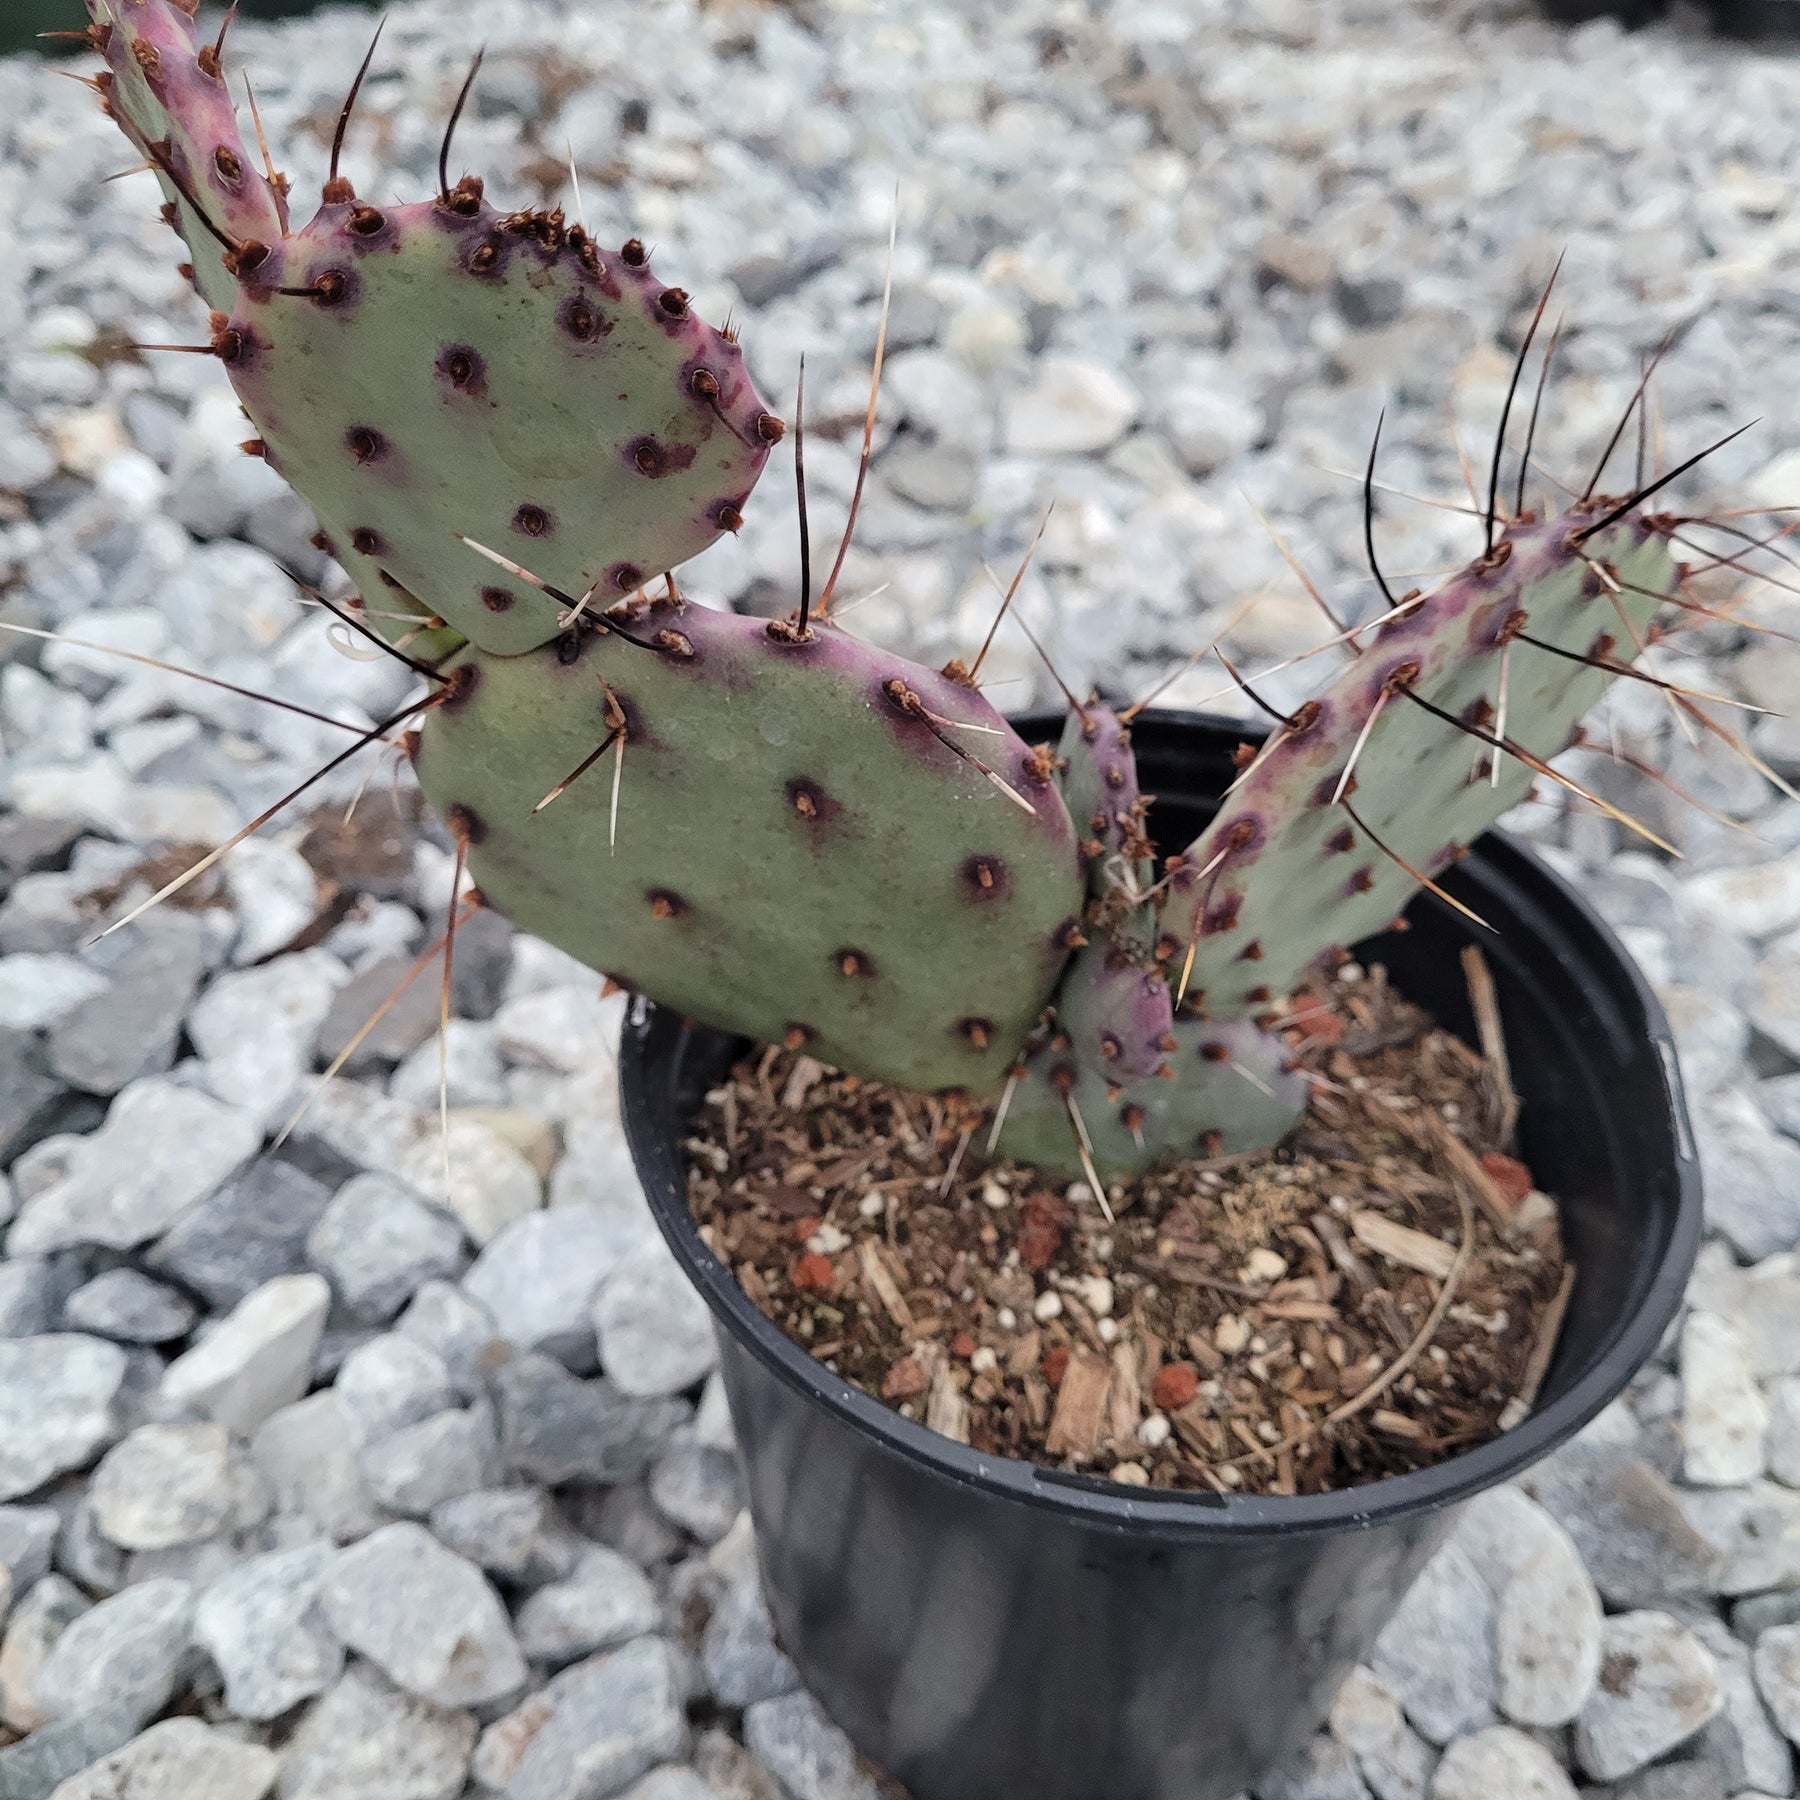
x: 512, y: 436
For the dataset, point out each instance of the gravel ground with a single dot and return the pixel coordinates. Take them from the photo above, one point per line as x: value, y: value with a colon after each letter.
x: 316, y: 1476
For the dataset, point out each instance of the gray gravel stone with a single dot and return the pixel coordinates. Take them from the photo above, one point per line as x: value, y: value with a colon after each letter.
x: 594, y: 1730
x: 27, y: 1536
x: 38, y: 1620
x: 251, y: 1230
x: 1657, y: 1687
x: 1777, y: 1665
x: 132, y: 1649
x: 378, y: 1244
x: 164, y: 1485
x: 366, y: 1740
x: 445, y: 1319
x: 624, y: 1517
x: 163, y: 1148
x: 1436, y: 1654
x: 57, y: 1398
x: 1752, y: 1173
x: 1322, y: 1769
x: 388, y: 1383
x: 811, y: 1758
x: 433, y: 1460
x: 1742, y: 1744
x: 1500, y: 1764
x: 513, y: 1533
x: 32, y: 1770
x: 32, y: 1099
x: 555, y: 1427
x: 655, y: 1332
x: 180, y: 1759
x: 32, y: 1293
x: 129, y: 1031
x: 604, y: 1601
x: 257, y: 1360
x: 264, y: 1630
x: 697, y: 1488
x: 539, y: 1278
x: 128, y: 1307
x: 304, y: 1453
x: 738, y: 1654
x: 425, y: 1616
x: 1628, y: 1523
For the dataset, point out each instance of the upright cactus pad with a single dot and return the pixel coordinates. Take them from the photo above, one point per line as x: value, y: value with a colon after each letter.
x: 1292, y: 869
x: 439, y: 370
x: 798, y: 854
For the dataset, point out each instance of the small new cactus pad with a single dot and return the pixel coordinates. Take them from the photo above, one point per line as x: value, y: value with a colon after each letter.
x: 1300, y: 861
x: 799, y: 853
x: 440, y: 371
x: 1228, y: 1089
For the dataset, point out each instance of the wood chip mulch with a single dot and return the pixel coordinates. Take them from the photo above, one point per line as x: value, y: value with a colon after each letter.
x: 1379, y: 1293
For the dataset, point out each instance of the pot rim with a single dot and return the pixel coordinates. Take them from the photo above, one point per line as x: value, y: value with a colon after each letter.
x: 1188, y: 1513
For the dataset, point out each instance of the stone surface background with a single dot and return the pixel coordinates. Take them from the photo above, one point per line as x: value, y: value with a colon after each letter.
x: 318, y: 1478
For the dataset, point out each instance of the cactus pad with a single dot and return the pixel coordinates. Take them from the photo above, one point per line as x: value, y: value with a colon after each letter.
x: 798, y: 856
x: 439, y: 370
x: 1286, y: 874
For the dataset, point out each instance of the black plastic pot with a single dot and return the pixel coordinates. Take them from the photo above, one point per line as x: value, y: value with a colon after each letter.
x: 988, y: 1630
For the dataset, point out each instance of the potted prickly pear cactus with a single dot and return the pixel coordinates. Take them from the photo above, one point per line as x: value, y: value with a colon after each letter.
x: 1014, y: 1027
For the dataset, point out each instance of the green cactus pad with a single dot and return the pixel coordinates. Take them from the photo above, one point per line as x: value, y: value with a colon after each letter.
x: 799, y: 855
x: 168, y: 95
x: 466, y: 375
x: 435, y: 371
x: 1230, y: 1091
x: 1286, y: 875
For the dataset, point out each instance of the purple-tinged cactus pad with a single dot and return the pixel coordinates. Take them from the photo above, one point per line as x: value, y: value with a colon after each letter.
x: 1230, y: 1091
x: 169, y: 95
x: 460, y: 373
x: 1287, y: 874
x: 798, y: 857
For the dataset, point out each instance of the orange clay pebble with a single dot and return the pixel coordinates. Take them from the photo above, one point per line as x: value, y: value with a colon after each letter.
x: 813, y: 1274
x: 1508, y: 1174
x: 1175, y: 1385
x: 1055, y: 1364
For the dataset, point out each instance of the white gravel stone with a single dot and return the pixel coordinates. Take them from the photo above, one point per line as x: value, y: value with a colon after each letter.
x: 655, y: 1332
x: 1724, y: 1417
x: 604, y: 1601
x: 1547, y: 1634
x: 257, y: 1360
x: 425, y: 1616
x: 162, y: 1148
x: 595, y: 1729
x: 132, y: 1648
x: 164, y: 1485
x: 1500, y: 1764
x: 180, y: 1759
x: 366, y: 1740
x: 1436, y: 1655
x: 1395, y: 1762
x: 305, y: 1454
x: 539, y: 1278
x: 57, y: 1397
x: 263, y: 1628
x: 811, y: 1758
x: 41, y: 1616
x: 38, y: 987
x: 1778, y: 1676
x: 1071, y: 407
x: 1657, y: 1687
x: 257, y: 1029
x: 378, y: 1244
x: 128, y: 1307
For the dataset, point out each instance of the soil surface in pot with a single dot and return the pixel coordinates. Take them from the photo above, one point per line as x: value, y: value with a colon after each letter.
x: 1379, y: 1293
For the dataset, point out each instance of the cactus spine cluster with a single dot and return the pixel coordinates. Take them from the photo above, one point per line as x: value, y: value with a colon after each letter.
x: 513, y: 437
